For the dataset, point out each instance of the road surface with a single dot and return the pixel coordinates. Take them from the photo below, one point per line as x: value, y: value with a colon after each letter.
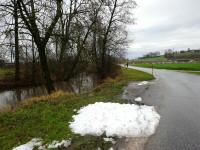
x: 176, y: 97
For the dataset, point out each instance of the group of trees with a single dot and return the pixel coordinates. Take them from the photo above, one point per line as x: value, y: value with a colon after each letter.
x: 183, y: 54
x: 152, y: 54
x: 62, y: 35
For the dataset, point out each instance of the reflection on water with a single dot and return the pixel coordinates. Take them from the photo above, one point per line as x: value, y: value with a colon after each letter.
x: 82, y: 83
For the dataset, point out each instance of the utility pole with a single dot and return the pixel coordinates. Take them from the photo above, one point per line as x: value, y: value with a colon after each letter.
x: 152, y: 68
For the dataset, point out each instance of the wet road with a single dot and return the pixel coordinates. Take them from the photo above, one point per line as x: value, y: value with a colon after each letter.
x: 176, y: 97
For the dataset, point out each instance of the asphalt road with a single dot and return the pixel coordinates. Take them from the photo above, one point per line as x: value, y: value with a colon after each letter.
x: 176, y: 97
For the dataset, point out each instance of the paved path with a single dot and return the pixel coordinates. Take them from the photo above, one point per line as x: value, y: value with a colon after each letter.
x: 176, y: 96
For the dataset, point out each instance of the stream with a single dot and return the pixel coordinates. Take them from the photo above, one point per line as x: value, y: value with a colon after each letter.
x: 80, y: 84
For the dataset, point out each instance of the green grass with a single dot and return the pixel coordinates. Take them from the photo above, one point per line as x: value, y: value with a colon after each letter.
x: 173, y: 66
x: 153, y: 59
x: 4, y: 72
x: 49, y: 119
x: 196, y: 73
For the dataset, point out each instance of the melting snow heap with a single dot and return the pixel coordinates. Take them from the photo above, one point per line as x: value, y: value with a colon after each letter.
x: 37, y: 143
x: 114, y: 119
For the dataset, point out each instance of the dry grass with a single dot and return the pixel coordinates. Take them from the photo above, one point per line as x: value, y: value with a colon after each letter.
x: 107, y: 81
x: 6, y: 109
x: 52, y: 97
x: 31, y: 101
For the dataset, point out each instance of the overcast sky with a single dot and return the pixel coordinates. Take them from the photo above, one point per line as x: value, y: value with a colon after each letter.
x: 164, y: 24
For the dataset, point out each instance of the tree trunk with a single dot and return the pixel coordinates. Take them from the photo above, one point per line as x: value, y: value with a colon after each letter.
x: 94, y: 43
x: 75, y: 62
x: 11, y: 54
x: 103, y: 67
x: 104, y: 47
x: 56, y: 42
x: 33, y: 63
x: 29, y: 18
x: 45, y: 68
x: 17, y: 67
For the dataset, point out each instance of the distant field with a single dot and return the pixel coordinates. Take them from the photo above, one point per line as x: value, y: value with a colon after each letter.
x: 175, y: 66
x: 160, y: 58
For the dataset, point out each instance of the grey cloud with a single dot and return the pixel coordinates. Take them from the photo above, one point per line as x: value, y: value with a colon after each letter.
x: 165, y: 24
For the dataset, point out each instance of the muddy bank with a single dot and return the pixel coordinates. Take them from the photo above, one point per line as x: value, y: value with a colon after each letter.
x: 131, y: 144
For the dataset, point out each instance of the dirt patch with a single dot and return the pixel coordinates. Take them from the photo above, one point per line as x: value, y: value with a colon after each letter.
x: 132, y: 91
x: 131, y: 144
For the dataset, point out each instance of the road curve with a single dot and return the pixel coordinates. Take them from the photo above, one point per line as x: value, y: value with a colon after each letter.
x: 176, y: 97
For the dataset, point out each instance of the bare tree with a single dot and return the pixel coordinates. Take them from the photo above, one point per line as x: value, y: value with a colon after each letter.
x: 116, y: 14
x: 28, y: 14
x: 66, y: 35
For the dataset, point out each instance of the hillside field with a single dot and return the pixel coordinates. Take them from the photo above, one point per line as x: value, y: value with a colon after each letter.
x: 173, y: 66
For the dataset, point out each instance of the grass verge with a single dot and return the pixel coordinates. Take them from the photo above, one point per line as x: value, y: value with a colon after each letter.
x: 196, y: 73
x: 173, y: 66
x: 48, y: 118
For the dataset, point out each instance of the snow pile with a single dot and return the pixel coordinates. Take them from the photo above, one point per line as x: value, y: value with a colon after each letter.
x: 113, y: 119
x: 143, y: 83
x: 36, y: 142
x: 57, y: 144
x: 109, y: 140
x: 139, y: 99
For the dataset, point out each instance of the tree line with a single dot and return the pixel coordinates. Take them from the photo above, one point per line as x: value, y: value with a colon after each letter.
x: 64, y: 36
